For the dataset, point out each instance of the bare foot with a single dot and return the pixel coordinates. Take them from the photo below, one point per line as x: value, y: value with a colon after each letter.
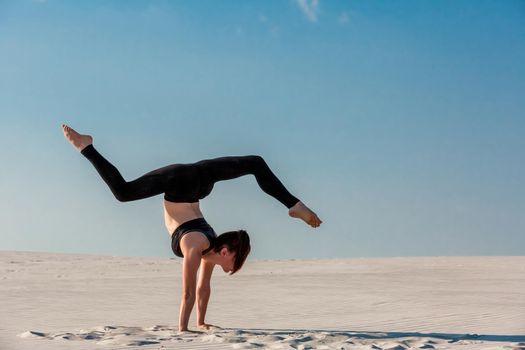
x: 78, y: 141
x: 301, y: 211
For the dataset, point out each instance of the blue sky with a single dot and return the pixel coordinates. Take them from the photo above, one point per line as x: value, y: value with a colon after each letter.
x: 401, y: 123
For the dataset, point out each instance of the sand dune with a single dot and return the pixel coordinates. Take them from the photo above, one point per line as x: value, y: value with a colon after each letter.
x: 68, y: 301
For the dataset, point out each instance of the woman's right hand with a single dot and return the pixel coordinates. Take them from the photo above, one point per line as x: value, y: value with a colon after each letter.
x: 206, y: 326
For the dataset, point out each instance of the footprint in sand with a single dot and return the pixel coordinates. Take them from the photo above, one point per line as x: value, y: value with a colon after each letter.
x: 32, y: 334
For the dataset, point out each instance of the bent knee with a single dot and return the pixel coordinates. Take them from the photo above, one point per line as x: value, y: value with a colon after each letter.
x: 256, y: 158
x: 122, y: 198
x: 121, y: 195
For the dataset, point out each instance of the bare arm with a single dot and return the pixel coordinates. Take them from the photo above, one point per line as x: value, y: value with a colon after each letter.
x: 203, y: 293
x: 191, y: 245
x: 190, y: 265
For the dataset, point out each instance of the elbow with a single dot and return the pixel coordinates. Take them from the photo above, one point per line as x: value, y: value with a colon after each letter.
x: 203, y: 290
x: 188, y: 295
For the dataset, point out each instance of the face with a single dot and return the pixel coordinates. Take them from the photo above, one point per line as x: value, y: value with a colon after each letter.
x: 227, y: 259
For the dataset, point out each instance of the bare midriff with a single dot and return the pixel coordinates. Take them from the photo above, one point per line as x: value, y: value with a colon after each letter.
x: 176, y: 214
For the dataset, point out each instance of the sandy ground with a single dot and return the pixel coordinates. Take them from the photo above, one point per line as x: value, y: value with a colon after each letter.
x: 67, y: 301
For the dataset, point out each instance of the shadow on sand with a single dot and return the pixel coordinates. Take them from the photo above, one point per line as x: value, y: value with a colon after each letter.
x: 450, y: 337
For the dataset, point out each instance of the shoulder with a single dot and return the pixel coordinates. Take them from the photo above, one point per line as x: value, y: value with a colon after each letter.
x: 194, y: 240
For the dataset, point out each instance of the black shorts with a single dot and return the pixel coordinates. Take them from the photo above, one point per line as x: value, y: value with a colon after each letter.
x: 199, y: 225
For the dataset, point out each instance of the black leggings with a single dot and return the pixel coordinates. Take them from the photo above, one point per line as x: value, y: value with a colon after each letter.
x: 189, y: 183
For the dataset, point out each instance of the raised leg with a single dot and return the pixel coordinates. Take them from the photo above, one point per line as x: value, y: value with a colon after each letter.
x: 148, y: 185
x: 226, y: 168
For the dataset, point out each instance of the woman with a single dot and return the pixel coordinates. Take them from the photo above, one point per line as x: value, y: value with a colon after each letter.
x: 192, y: 237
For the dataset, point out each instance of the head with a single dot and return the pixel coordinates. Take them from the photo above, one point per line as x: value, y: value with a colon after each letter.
x: 233, y: 247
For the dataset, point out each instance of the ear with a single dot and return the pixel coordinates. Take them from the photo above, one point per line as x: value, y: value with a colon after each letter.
x: 224, y: 251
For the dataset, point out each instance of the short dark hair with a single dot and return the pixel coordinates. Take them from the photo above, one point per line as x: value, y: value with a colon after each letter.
x: 237, y: 242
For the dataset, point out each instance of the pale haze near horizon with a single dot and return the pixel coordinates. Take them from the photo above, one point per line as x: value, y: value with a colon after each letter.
x: 400, y: 123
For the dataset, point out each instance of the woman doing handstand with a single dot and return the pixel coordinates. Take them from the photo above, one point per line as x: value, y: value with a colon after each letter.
x: 192, y: 238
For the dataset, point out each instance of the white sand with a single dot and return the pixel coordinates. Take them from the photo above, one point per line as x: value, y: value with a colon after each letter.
x: 66, y: 301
